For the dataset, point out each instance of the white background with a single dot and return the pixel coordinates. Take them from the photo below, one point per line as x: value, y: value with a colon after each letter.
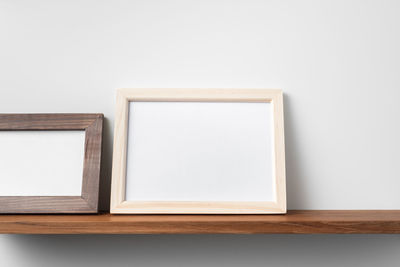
x: 200, y: 151
x: 337, y: 61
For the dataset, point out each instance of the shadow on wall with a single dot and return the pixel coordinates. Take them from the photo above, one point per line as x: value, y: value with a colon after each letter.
x: 295, y: 189
x: 106, y: 167
x: 203, y: 250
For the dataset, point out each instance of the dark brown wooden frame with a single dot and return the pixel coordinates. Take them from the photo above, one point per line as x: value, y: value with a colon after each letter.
x: 92, y: 124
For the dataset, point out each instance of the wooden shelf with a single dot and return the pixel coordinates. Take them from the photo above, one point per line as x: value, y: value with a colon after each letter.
x: 295, y: 222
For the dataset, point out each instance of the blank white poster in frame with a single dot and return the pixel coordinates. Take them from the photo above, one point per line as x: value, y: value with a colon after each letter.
x: 199, y: 151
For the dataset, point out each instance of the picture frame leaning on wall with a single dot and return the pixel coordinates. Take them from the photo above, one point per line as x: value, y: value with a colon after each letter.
x: 39, y: 153
x: 198, y: 151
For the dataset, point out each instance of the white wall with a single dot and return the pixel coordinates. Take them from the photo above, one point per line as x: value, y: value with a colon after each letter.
x: 337, y: 61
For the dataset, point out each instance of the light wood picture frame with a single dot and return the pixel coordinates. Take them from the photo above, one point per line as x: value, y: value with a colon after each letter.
x: 87, y: 201
x: 127, y: 97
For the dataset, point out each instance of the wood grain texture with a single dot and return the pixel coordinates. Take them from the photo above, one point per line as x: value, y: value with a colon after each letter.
x: 46, y: 121
x: 198, y: 95
x: 92, y: 163
x: 200, y: 207
x: 294, y: 222
x: 44, y: 204
x: 120, y: 152
x: 92, y: 124
x: 118, y: 203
